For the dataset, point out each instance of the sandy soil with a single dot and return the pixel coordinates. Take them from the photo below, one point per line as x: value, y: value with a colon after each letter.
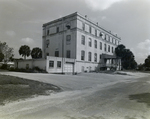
x: 85, y: 96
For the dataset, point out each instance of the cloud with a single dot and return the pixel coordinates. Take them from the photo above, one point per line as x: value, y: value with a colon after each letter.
x: 27, y: 41
x: 101, y: 4
x: 145, y: 45
x: 10, y: 33
x: 16, y: 3
x: 103, y: 17
x: 142, y: 50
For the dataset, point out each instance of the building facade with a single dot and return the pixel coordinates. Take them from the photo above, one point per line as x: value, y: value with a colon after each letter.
x: 76, y: 37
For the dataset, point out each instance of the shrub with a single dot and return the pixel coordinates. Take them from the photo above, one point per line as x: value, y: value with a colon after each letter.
x: 11, y: 69
x: 37, y: 68
x: 147, y: 69
x: 34, y: 70
x: 4, y: 66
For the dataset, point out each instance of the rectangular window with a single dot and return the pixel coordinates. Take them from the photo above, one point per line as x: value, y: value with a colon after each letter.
x: 100, y: 45
x: 89, y: 56
x: 100, y: 34
x: 106, y: 37
x: 109, y: 38
x: 47, y: 32
x: 95, y: 57
x: 47, y: 54
x: 112, y: 49
x: 90, y: 42
x: 116, y: 42
x: 47, y: 43
x: 58, y: 64
x: 95, y: 43
x: 68, y: 26
x: 68, y: 53
x: 108, y: 48
x: 56, y: 53
x: 51, y: 64
x: 90, y: 29
x: 103, y: 36
x: 68, y: 39
x: 95, y: 32
x: 83, y: 40
x: 83, y: 26
x: 57, y: 29
x: 105, y: 47
x: 82, y: 55
x: 100, y: 56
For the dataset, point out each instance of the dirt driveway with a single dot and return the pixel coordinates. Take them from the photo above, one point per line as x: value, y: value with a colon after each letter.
x: 85, y: 96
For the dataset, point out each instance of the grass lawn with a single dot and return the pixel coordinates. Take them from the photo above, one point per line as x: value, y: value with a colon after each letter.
x: 14, y: 88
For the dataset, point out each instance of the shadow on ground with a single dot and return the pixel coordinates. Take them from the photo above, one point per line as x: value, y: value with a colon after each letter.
x: 93, y: 117
x: 141, y: 98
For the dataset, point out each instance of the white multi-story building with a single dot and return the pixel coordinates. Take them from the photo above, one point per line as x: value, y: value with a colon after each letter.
x: 76, y: 44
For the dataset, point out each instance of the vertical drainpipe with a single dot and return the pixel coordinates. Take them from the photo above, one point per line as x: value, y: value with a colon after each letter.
x: 63, y: 46
x: 105, y: 50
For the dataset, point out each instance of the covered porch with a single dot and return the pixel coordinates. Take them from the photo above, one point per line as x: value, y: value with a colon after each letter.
x: 110, y: 62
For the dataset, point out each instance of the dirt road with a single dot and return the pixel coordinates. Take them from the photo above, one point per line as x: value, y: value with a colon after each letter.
x: 85, y: 96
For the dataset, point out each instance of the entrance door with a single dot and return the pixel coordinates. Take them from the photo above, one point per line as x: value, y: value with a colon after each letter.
x: 82, y: 68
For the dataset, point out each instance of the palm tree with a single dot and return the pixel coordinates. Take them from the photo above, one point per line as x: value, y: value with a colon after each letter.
x: 24, y: 51
x: 36, y: 53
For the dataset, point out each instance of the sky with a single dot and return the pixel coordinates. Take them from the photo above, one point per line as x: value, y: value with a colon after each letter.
x: 21, y: 21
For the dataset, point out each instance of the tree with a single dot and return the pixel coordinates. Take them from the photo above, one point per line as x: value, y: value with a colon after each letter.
x: 141, y: 67
x: 24, y: 51
x: 1, y: 56
x: 127, y: 57
x: 147, y: 62
x: 11, y: 58
x: 36, y: 53
x: 120, y: 50
x: 6, y: 51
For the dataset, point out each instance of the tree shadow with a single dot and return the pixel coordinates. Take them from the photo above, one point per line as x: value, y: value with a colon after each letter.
x: 141, y: 98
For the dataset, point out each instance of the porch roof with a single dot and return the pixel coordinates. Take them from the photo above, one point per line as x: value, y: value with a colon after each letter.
x: 106, y: 56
